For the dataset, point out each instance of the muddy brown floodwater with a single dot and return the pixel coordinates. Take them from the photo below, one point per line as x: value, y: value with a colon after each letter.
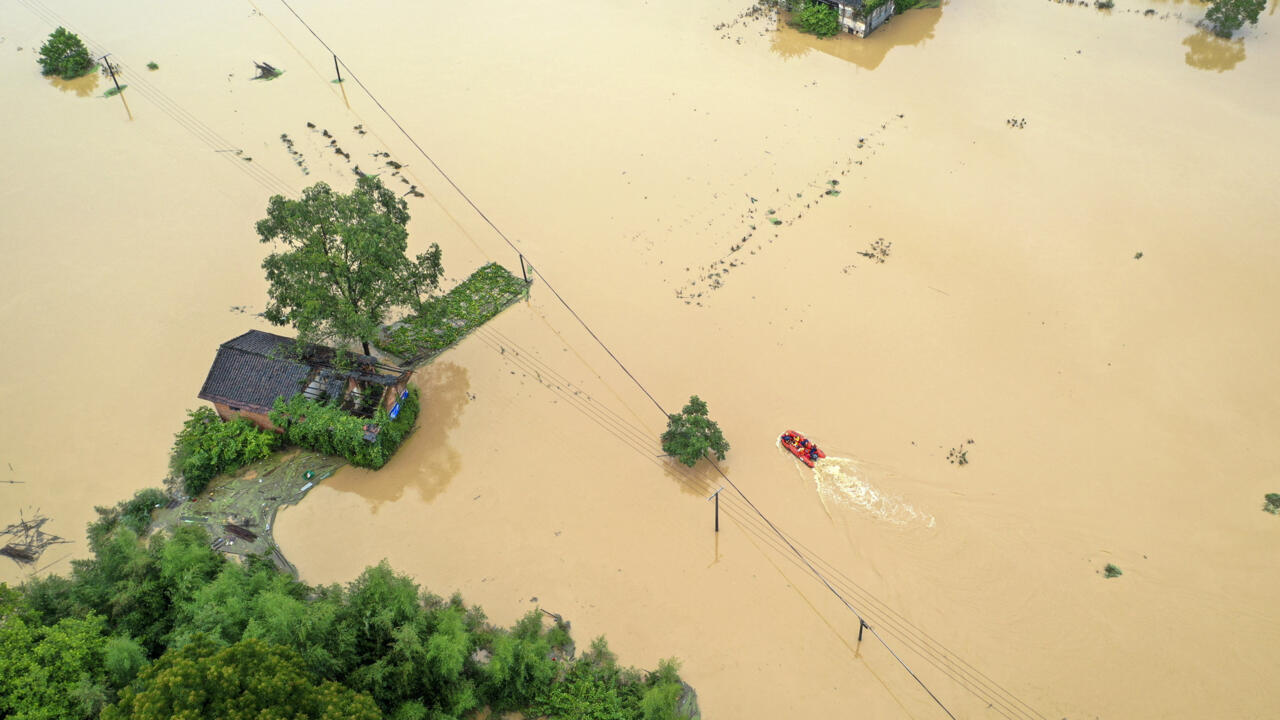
x: 1080, y: 279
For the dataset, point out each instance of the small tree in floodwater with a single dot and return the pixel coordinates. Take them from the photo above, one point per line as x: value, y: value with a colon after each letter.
x: 1225, y: 17
x: 344, y: 267
x: 1271, y: 503
x: 65, y: 55
x: 818, y: 19
x: 690, y: 434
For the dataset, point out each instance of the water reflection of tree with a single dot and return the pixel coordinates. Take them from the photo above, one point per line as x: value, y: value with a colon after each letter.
x: 911, y: 28
x: 82, y: 86
x: 1206, y: 51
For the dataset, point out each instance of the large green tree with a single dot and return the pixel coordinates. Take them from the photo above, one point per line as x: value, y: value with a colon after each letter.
x: 1228, y: 16
x: 250, y: 680
x: 61, y: 671
x: 690, y: 434
x: 64, y: 54
x: 343, y: 267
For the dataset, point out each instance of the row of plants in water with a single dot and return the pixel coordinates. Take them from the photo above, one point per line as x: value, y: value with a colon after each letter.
x: 442, y: 321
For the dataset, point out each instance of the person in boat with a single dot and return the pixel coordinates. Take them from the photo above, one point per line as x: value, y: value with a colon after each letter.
x: 805, y: 443
x: 788, y: 439
x: 813, y: 453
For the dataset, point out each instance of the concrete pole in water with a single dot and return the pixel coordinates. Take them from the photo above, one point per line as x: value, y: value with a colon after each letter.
x: 111, y: 70
x: 335, y: 67
x: 522, y: 272
x: 716, y: 495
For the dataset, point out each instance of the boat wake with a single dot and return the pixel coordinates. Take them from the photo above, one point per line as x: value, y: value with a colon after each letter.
x: 844, y: 482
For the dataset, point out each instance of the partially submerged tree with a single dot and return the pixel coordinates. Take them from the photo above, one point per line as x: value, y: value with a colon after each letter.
x: 690, y: 434
x: 344, y: 267
x: 818, y: 18
x: 1225, y: 17
x: 65, y: 55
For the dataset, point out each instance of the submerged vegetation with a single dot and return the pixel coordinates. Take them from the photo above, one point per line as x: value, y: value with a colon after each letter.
x: 690, y: 434
x: 442, y: 321
x: 158, y: 626
x: 1112, y: 571
x: 1271, y: 503
x: 1225, y: 17
x: 65, y: 55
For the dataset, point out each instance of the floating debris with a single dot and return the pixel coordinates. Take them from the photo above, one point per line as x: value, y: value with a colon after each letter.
x: 26, y: 540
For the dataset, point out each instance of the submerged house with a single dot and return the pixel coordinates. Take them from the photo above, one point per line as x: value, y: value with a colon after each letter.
x: 252, y: 370
x: 855, y: 18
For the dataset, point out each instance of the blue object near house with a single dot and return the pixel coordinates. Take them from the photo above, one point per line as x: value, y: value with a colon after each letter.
x: 395, y: 411
x: 404, y: 394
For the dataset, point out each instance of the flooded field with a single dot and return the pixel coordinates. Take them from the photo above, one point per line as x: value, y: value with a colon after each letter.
x: 1035, y: 233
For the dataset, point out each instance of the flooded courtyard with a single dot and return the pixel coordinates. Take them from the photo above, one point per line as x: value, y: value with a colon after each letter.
x: 1038, y: 233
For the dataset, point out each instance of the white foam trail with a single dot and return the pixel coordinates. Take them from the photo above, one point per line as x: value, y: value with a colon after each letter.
x: 843, y: 482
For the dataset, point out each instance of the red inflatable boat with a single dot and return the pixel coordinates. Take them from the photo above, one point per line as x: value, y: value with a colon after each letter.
x: 800, y: 446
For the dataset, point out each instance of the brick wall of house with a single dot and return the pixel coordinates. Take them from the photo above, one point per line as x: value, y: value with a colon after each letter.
x: 227, y: 412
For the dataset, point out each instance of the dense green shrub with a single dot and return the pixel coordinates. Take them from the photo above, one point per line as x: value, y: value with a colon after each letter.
x: 134, y: 514
x: 818, y: 19
x: 207, y: 447
x: 326, y: 429
x: 64, y: 54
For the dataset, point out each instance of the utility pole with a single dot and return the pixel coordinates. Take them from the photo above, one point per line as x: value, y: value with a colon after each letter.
x: 336, y: 68
x: 716, y: 495
x: 119, y: 90
x: 111, y: 70
x: 522, y: 272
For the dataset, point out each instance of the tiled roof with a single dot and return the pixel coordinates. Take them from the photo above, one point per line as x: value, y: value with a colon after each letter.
x: 254, y: 369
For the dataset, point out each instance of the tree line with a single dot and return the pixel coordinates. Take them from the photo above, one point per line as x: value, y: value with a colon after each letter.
x: 155, y: 626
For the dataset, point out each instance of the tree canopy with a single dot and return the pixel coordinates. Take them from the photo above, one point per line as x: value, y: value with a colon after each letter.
x: 64, y: 54
x: 690, y: 434
x: 243, y: 641
x: 343, y: 267
x: 1228, y: 16
x: 250, y: 680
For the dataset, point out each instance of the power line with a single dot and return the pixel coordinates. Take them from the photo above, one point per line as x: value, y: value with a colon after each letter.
x: 183, y: 118
x: 354, y: 76
x: 264, y: 177
x: 997, y: 698
x: 961, y: 672
x: 470, y: 202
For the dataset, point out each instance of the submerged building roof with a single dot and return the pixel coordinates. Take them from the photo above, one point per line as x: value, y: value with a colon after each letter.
x: 252, y: 370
